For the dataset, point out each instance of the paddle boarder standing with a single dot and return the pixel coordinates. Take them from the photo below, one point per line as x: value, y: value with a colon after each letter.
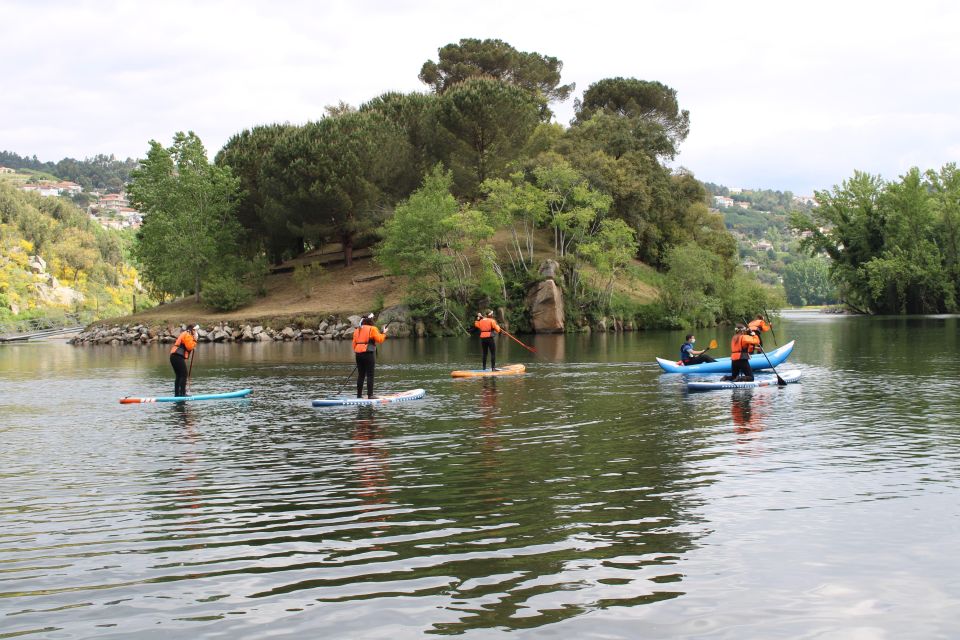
x: 366, y: 337
x: 487, y: 327
x: 179, y: 354
x: 741, y: 346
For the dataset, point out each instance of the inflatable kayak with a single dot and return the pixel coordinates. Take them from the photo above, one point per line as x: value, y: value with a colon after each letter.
x: 413, y: 394
x: 243, y: 393
x: 508, y: 370
x: 767, y: 381
x: 722, y: 365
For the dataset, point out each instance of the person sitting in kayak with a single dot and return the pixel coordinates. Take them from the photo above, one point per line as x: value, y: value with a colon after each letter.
x: 487, y: 327
x: 366, y: 337
x: 741, y: 346
x: 759, y: 326
x: 179, y: 354
x: 689, y: 356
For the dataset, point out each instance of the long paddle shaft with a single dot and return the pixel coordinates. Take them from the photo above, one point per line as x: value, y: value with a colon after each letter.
x: 344, y: 383
x: 193, y: 356
x: 772, y: 332
x: 780, y: 381
x: 530, y: 349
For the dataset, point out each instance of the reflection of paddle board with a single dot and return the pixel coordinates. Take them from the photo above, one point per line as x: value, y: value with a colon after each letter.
x: 413, y: 394
x: 213, y: 396
x: 703, y: 385
x: 508, y: 370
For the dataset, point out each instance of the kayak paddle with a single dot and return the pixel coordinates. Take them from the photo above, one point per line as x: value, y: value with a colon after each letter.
x: 780, y: 382
x: 344, y: 383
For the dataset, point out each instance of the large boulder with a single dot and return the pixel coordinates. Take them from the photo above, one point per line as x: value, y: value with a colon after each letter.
x: 397, y: 321
x: 545, y: 301
x: 354, y: 320
x: 549, y: 269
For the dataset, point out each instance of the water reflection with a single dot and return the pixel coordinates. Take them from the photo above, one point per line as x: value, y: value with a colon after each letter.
x: 565, y: 502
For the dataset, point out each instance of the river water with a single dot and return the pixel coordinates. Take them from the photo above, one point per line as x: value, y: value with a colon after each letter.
x: 591, y: 498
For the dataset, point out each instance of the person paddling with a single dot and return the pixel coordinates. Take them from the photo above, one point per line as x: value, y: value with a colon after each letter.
x: 689, y: 355
x: 179, y: 354
x: 741, y: 346
x: 759, y: 326
x: 366, y: 337
x: 488, y: 326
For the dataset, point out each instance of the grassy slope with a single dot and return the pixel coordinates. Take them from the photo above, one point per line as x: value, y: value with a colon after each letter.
x: 336, y: 292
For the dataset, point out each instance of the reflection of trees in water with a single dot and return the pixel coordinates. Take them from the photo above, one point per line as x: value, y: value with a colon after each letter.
x: 372, y: 466
x: 551, y: 520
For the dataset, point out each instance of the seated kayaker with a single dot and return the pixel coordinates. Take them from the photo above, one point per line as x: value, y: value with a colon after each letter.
x: 688, y: 355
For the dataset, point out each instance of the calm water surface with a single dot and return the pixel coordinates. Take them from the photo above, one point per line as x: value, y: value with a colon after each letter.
x: 592, y: 498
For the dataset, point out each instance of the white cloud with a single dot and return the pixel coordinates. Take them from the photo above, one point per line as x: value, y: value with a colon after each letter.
x: 781, y: 96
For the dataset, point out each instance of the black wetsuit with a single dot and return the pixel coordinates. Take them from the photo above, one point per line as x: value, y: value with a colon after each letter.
x: 489, y: 344
x: 366, y: 362
x: 179, y: 365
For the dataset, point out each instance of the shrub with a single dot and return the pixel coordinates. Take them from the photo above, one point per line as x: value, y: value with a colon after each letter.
x: 224, y: 293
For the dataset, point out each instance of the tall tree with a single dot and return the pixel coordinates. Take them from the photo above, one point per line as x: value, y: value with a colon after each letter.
x: 245, y: 154
x: 188, y: 223
x: 483, y: 126
x: 539, y: 75
x: 331, y: 179
x: 650, y: 108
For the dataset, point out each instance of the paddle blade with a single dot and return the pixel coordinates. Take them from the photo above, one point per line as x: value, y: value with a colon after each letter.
x: 780, y: 381
x: 712, y: 345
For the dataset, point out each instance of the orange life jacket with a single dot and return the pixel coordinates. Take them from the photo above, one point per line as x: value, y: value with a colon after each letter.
x: 758, y: 325
x: 184, y: 344
x: 742, y: 346
x: 487, y: 326
x: 366, y: 337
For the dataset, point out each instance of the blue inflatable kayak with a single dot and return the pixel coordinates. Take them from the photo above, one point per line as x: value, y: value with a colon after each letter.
x: 413, y: 394
x: 766, y: 381
x: 722, y: 365
x: 243, y: 393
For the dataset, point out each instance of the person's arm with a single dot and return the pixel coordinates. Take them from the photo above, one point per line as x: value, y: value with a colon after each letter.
x: 377, y: 336
x: 496, y: 327
x: 189, y: 343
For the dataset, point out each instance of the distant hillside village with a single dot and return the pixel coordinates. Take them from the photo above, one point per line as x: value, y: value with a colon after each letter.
x: 110, y: 210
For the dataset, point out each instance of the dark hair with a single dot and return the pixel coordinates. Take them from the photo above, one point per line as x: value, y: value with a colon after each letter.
x: 366, y: 321
x: 689, y: 335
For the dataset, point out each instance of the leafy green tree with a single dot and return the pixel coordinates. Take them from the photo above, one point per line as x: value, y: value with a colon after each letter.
x: 609, y: 250
x: 807, y: 281
x: 427, y: 240
x: 189, y: 222
x: 483, y: 126
x: 520, y: 206
x: 331, y: 179
x: 651, y: 109
x: 889, y: 243
x: 537, y: 74
x: 245, y: 154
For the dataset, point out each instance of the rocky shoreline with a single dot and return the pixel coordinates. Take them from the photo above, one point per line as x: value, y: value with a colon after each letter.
x: 397, y: 319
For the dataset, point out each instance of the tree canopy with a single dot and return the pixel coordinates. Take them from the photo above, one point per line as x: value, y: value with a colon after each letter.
x: 537, y: 74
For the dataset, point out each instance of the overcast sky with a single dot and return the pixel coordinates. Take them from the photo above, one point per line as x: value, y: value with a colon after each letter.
x: 790, y: 96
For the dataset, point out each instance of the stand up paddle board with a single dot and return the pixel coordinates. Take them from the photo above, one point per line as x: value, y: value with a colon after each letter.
x: 412, y: 394
x: 243, y: 393
x: 703, y: 385
x: 508, y: 370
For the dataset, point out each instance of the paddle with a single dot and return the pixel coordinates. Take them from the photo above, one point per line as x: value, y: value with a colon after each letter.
x: 712, y: 345
x: 530, y: 349
x: 772, y: 332
x: 193, y: 356
x: 344, y: 383
x: 780, y: 381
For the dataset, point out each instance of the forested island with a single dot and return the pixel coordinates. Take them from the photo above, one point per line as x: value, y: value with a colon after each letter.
x: 471, y: 196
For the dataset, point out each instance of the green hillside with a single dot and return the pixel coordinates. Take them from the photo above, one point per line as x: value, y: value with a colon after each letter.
x: 54, y: 259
